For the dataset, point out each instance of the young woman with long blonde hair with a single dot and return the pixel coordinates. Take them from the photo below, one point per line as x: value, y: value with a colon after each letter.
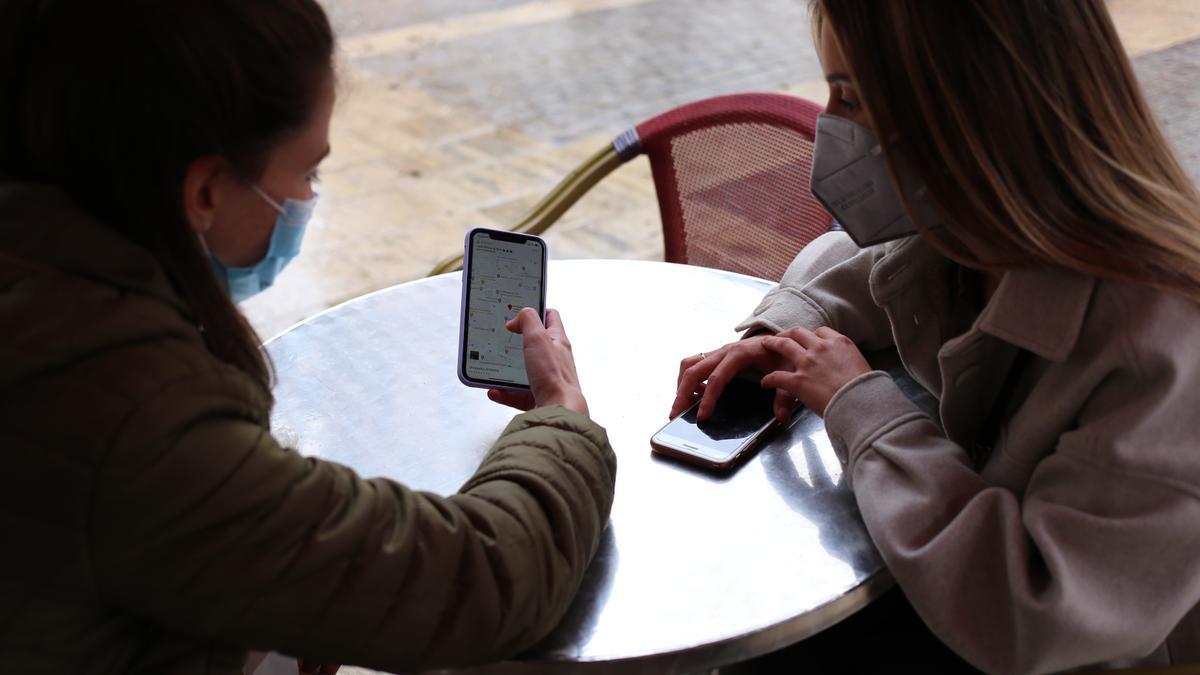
x: 1018, y: 229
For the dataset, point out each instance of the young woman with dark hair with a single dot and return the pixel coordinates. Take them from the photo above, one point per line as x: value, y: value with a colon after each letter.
x: 1019, y: 231
x: 156, y: 163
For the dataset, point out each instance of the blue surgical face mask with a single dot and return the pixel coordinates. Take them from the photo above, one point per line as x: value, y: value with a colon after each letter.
x: 245, y: 282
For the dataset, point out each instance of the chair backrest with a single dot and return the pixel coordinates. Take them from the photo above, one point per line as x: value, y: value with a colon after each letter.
x: 732, y: 175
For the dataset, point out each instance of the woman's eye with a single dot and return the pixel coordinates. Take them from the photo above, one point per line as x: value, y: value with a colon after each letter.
x: 847, y: 97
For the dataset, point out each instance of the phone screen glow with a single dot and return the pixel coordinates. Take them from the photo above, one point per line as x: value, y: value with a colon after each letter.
x: 504, y: 277
x: 743, y: 409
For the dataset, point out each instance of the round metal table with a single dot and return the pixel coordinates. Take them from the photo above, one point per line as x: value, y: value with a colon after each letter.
x: 695, y: 570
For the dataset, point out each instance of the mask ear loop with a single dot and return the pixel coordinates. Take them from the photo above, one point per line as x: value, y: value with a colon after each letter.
x: 267, y: 198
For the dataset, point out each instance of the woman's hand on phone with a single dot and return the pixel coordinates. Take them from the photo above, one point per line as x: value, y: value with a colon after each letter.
x: 818, y: 364
x: 549, y: 362
x: 705, y: 375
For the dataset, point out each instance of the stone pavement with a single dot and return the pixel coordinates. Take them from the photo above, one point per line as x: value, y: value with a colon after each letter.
x: 462, y: 113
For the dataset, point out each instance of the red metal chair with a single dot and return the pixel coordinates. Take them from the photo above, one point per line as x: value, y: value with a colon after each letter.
x: 732, y: 176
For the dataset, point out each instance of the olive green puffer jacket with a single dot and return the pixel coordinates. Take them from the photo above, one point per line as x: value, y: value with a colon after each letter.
x: 151, y: 524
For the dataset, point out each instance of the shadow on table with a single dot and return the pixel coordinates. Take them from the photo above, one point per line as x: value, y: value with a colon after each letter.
x: 577, y: 627
x: 817, y: 496
x: 814, y: 493
x: 704, y: 473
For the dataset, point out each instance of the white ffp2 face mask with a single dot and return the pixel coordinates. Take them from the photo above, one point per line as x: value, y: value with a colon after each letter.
x: 850, y: 178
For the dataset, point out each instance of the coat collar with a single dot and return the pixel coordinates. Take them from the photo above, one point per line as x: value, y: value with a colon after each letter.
x: 1041, y: 310
x: 41, y: 226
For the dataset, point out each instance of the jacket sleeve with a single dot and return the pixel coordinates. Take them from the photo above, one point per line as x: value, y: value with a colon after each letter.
x: 828, y: 284
x: 220, y: 532
x: 1096, y: 561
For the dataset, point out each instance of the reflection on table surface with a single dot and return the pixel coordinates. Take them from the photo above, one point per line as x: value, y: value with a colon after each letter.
x: 695, y: 569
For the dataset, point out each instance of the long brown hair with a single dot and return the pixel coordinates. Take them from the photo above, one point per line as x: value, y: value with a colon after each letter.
x: 111, y: 101
x: 1025, y: 120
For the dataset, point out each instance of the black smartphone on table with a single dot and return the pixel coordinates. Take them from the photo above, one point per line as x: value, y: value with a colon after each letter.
x: 503, y: 272
x: 743, y: 418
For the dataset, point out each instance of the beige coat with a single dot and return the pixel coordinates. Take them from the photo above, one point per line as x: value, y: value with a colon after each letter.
x: 151, y: 524
x: 1076, y: 539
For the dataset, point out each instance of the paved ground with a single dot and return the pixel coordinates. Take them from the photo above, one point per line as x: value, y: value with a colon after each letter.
x: 464, y: 113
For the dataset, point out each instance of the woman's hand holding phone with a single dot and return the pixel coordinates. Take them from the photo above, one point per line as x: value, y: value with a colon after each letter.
x: 549, y: 362
x: 801, y: 365
x: 706, y: 375
x: 819, y: 363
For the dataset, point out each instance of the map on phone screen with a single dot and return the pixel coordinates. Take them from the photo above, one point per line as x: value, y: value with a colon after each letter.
x: 506, y: 276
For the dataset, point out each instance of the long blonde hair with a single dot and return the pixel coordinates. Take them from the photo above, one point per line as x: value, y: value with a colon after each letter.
x: 1026, y: 122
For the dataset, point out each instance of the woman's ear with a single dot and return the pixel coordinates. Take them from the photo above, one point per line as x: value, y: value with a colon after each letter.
x: 201, y: 192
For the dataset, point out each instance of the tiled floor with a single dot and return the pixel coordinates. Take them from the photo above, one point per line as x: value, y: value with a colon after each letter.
x: 458, y: 113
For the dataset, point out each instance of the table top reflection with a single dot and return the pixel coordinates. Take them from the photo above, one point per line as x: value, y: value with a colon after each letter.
x: 695, y: 570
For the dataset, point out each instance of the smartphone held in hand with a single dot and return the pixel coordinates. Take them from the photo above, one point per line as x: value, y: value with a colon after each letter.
x: 743, y: 418
x: 503, y: 272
